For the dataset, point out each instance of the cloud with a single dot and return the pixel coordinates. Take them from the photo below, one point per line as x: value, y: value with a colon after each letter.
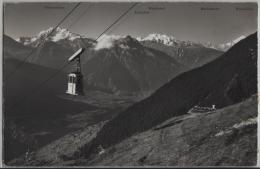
x: 107, y: 41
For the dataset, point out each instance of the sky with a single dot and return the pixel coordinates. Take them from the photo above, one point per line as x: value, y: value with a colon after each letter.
x: 198, y: 22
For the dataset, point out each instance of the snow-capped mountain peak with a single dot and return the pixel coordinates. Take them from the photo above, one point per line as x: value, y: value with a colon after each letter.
x: 24, y: 40
x: 172, y: 41
x: 57, y: 35
x: 161, y: 38
x: 45, y: 32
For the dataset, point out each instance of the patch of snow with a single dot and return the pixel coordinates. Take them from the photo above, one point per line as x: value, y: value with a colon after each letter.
x: 124, y: 46
x: 245, y: 123
x: 33, y: 39
x: 242, y: 124
x: 139, y: 38
x: 101, y: 150
x: 221, y: 133
x: 64, y: 34
x: 161, y: 38
x: 45, y: 32
x: 24, y: 40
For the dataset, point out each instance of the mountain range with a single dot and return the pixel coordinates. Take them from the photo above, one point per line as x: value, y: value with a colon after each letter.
x: 114, y: 63
x: 129, y: 66
x: 180, y: 75
x: 227, y: 80
x: 172, y: 41
x: 122, y: 63
x: 163, y: 129
x: 60, y: 34
x: 187, y: 53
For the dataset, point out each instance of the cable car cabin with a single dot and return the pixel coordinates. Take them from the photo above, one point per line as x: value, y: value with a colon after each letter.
x: 75, y: 79
x: 75, y: 85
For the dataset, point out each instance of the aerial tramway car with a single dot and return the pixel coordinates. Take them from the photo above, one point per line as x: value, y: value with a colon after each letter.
x: 75, y: 78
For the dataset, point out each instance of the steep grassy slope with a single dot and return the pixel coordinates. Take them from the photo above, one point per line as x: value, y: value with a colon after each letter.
x: 225, y: 137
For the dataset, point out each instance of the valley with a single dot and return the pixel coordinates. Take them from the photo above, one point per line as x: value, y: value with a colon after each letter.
x: 137, y: 104
x: 50, y: 114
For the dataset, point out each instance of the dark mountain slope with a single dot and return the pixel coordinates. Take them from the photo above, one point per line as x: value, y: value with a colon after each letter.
x: 55, y: 54
x: 215, y: 83
x: 128, y: 66
x: 38, y: 118
x: 13, y: 49
x: 52, y: 55
x: 12, y: 44
x: 106, y: 71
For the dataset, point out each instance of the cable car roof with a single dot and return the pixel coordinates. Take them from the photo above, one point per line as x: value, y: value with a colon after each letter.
x: 76, y: 54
